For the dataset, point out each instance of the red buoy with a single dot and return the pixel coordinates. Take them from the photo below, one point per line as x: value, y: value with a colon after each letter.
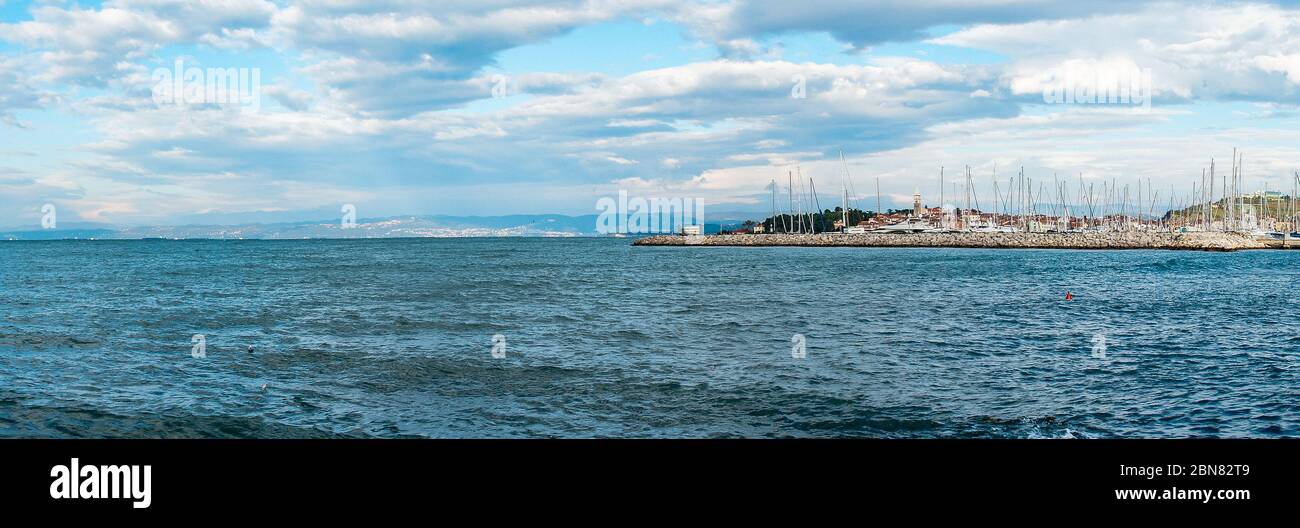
x: 1069, y: 296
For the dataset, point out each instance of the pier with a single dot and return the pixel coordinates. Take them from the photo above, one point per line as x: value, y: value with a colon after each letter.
x: 1202, y: 241
x: 1285, y: 243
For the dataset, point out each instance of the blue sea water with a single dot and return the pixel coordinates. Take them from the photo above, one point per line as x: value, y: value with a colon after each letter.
x: 394, y: 338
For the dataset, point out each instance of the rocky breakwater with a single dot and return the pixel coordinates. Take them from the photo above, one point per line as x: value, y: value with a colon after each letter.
x: 1111, y: 240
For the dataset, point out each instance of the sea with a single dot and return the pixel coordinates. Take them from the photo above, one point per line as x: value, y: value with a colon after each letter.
x: 595, y: 337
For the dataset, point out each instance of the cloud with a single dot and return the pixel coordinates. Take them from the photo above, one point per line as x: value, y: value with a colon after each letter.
x: 733, y: 25
x: 18, y: 93
x: 1194, y: 52
x: 665, y: 123
x: 399, y: 58
x: 395, y: 103
x: 290, y: 98
x: 88, y: 46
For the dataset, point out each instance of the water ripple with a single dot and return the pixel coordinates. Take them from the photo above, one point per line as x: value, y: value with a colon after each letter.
x: 393, y: 338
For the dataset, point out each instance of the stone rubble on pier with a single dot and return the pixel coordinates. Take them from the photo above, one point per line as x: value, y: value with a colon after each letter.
x: 1203, y: 241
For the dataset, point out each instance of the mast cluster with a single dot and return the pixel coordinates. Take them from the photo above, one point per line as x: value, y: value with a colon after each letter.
x: 1021, y: 203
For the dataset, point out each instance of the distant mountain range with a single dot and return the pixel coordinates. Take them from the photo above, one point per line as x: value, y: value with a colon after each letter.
x: 546, y: 225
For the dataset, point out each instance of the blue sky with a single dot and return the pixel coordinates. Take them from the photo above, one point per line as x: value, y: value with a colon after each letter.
x: 502, y: 107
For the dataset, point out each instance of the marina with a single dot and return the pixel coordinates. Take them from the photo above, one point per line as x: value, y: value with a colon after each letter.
x: 1215, y: 214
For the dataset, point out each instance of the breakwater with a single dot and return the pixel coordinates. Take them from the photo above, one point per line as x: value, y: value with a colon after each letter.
x: 1109, y: 240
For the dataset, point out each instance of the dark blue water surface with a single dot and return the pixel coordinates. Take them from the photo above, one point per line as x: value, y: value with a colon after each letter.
x: 393, y: 338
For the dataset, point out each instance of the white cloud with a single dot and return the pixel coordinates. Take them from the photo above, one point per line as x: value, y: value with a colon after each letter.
x: 734, y: 24
x: 1228, y: 52
x: 1288, y: 64
x: 86, y: 46
x: 376, y: 94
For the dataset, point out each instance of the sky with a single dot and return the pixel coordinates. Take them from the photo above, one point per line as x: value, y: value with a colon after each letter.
x: 492, y: 107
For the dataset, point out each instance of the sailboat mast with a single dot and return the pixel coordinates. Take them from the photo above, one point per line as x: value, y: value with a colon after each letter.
x: 844, y: 182
x: 812, y: 217
x: 773, y: 204
x: 800, y: 211
x: 789, y: 175
x: 844, y: 209
x: 967, y: 184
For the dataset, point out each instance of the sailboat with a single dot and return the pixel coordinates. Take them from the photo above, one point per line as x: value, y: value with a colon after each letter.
x: 911, y: 225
